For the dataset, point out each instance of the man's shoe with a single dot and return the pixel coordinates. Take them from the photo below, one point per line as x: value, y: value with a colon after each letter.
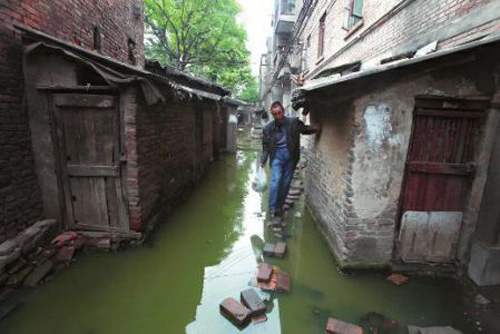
x: 275, y: 221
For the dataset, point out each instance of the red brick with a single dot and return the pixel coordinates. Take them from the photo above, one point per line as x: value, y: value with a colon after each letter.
x: 265, y: 272
x: 280, y: 250
x: 235, y: 312
x: 283, y: 283
x: 335, y: 326
x: 253, y: 302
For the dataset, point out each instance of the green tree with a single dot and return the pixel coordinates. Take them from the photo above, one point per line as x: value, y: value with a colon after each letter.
x: 202, y: 37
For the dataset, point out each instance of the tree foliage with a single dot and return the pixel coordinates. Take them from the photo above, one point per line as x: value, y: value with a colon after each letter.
x: 202, y: 37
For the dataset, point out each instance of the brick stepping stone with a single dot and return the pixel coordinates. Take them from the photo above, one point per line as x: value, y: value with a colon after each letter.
x: 283, y: 283
x: 251, y: 300
x: 335, y: 326
x: 280, y: 250
x: 235, y: 312
x: 269, y: 249
x: 275, y: 250
x: 265, y: 272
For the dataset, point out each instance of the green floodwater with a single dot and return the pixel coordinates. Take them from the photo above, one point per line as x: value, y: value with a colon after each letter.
x: 207, y: 251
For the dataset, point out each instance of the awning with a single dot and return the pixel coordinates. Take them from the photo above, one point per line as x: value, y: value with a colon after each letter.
x: 116, y: 74
x: 333, y: 81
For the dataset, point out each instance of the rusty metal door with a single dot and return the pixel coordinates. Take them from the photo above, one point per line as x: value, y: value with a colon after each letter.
x: 87, y: 128
x: 438, y: 175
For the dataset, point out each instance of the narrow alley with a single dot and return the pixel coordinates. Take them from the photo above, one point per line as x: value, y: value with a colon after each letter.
x: 209, y: 250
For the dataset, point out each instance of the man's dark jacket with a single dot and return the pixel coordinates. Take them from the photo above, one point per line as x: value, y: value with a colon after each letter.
x: 293, y: 128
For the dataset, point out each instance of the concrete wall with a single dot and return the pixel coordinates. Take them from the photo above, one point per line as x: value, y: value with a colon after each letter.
x: 356, y: 166
x: 73, y: 21
x: 484, y: 265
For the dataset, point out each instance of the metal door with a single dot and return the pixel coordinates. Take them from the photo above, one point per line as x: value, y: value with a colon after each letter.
x: 438, y: 174
x: 89, y: 147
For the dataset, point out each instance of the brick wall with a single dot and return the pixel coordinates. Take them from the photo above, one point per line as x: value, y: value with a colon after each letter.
x: 163, y: 140
x: 356, y: 166
x: 72, y: 21
x: 328, y: 179
x: 395, y: 28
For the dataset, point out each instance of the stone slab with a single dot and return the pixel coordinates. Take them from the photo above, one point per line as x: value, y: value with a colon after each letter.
x: 18, y: 278
x: 235, y: 312
x: 8, y: 247
x: 335, y: 326
x: 269, y: 249
x: 280, y: 250
x: 429, y: 236
x: 484, y: 265
x: 265, y: 272
x: 251, y: 300
x: 16, y: 266
x: 283, y: 283
x: 38, y: 274
x: 7, y: 259
x: 46, y: 223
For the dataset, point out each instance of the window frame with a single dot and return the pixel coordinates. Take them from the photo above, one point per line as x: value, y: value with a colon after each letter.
x: 321, y: 36
x: 354, y: 15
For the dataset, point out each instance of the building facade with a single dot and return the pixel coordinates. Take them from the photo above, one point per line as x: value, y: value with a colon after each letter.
x: 388, y: 81
x: 276, y: 68
x: 112, y: 28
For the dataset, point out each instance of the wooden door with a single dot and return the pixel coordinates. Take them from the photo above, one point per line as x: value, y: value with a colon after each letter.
x: 89, y: 149
x: 438, y: 175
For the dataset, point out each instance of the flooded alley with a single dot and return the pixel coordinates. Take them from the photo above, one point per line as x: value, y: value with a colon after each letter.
x: 207, y: 251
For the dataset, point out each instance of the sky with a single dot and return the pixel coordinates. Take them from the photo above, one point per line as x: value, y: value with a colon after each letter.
x: 256, y: 18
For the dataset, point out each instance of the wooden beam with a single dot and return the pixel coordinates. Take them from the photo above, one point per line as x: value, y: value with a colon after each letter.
x: 84, y: 101
x: 88, y: 170
x: 440, y: 168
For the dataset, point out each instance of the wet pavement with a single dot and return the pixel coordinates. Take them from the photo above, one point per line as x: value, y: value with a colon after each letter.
x: 209, y: 250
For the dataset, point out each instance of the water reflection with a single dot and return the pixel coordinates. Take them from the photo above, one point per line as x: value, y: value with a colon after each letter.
x: 233, y: 274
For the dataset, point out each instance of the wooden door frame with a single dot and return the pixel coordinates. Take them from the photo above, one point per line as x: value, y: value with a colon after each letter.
x: 62, y: 177
x: 438, y: 103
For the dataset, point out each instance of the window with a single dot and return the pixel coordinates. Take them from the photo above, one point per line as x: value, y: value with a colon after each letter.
x: 97, y: 38
x: 354, y: 13
x: 321, y: 36
x: 305, y: 54
x: 132, y: 56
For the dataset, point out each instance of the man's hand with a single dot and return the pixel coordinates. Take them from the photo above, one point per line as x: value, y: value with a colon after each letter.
x: 318, y: 127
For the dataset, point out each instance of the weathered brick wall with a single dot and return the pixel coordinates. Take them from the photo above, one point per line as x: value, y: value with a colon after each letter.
x: 73, y: 21
x: 402, y: 27
x: 166, y: 150
x: 328, y: 178
x: 355, y: 170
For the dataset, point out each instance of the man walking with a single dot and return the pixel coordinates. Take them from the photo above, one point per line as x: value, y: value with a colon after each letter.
x: 281, y: 144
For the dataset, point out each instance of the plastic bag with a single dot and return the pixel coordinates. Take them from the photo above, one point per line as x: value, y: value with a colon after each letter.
x: 259, y: 183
